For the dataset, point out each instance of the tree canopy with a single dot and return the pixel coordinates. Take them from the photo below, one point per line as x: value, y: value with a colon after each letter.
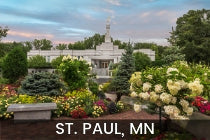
x: 3, y: 32
x: 42, y: 44
x: 192, y: 33
x: 141, y: 61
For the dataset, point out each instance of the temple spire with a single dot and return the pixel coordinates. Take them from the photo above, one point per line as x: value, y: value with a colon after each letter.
x: 107, y: 35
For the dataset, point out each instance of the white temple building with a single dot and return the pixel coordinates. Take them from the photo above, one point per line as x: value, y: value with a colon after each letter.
x: 100, y: 57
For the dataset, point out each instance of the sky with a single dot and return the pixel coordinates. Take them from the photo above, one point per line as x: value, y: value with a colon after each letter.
x: 68, y: 21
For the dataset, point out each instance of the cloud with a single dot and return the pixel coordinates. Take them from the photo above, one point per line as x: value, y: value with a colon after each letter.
x: 108, y: 10
x: 162, y: 13
x: 114, y: 2
x: 145, y: 14
x: 29, y: 35
x: 76, y: 30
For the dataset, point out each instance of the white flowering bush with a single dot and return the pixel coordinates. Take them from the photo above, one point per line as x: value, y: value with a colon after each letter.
x: 75, y: 72
x: 169, y: 87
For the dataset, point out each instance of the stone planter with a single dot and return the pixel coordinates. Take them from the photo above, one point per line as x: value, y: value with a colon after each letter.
x: 198, y: 125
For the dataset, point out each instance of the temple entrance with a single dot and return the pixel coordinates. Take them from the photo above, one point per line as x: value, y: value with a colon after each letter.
x: 104, y: 64
x: 101, y: 64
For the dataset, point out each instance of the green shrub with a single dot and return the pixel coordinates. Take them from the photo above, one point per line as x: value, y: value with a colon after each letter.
x: 101, y: 95
x: 75, y: 72
x: 42, y: 83
x: 38, y: 61
x: 14, y: 65
x: 93, y: 86
x: 141, y: 61
x: 106, y: 87
x: 26, y: 99
x: 56, y: 62
x: 3, y: 81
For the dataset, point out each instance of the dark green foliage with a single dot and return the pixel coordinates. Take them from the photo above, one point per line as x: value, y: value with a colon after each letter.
x: 112, y: 108
x: 14, y: 65
x: 61, y: 46
x: 158, y: 49
x: 192, y: 33
x: 158, y: 63
x: 56, y: 62
x: 121, y: 45
x: 42, y: 83
x: 88, y: 43
x: 172, y: 54
x: 141, y: 61
x: 75, y: 73
x: 3, y: 32
x: 93, y: 86
x: 42, y: 44
x: 5, y: 48
x: 123, y: 74
x: 101, y: 95
x: 38, y: 62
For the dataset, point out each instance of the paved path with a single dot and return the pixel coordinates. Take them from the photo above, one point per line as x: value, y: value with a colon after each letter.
x: 111, y: 96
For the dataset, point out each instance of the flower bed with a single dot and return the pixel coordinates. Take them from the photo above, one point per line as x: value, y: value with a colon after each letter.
x: 76, y: 104
x: 202, y: 105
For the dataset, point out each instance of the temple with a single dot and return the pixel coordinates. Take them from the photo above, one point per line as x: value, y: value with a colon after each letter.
x: 100, y: 58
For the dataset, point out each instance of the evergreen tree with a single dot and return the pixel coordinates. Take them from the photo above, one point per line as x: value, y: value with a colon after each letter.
x: 123, y: 74
x: 14, y: 65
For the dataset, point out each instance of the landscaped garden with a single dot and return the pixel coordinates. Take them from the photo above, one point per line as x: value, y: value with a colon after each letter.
x: 174, y: 87
x: 71, y: 93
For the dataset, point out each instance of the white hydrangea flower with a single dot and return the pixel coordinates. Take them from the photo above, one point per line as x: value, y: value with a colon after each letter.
x: 171, y: 110
x: 184, y: 103
x: 136, y: 78
x: 131, y: 87
x: 149, y: 77
x: 90, y: 68
x: 144, y: 95
x: 184, y: 63
x: 137, y: 108
x: 188, y: 110
x: 183, y: 84
x: 89, y: 63
x: 75, y: 58
x: 173, y: 87
x: 134, y: 94
x: 146, y: 86
x: 196, y: 87
x: 173, y: 100
x: 81, y: 59
x: 68, y: 57
x: 158, y: 88
x: 165, y: 98
x: 169, y: 70
x: 153, y: 97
